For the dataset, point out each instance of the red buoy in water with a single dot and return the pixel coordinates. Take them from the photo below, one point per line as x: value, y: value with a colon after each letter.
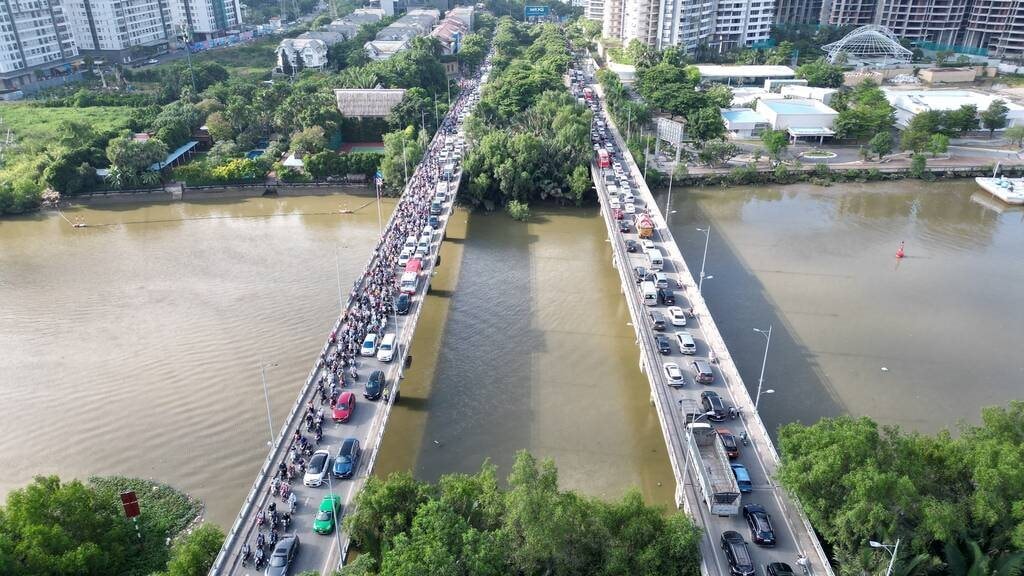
x: 900, y: 253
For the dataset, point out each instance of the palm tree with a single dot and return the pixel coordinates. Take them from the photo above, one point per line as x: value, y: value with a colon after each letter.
x: 965, y: 558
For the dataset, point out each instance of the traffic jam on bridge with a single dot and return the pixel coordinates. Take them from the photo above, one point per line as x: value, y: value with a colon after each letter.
x: 736, y: 496
x: 327, y: 448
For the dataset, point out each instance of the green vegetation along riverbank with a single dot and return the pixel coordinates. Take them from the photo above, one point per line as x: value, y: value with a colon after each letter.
x: 56, y: 528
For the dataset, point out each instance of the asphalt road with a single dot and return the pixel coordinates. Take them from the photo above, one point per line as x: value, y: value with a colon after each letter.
x: 793, y: 539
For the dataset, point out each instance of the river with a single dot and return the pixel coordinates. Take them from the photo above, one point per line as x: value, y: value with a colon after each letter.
x: 921, y: 342
x: 132, y: 346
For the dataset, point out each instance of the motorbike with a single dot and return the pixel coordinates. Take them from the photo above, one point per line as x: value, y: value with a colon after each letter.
x: 261, y: 520
x: 744, y: 438
x: 286, y: 490
x: 260, y: 543
x: 292, y: 503
x: 286, y: 521
x: 246, y: 555
x: 273, y: 538
x: 261, y: 558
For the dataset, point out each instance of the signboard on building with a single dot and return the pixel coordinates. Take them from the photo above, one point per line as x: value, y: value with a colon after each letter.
x: 536, y: 11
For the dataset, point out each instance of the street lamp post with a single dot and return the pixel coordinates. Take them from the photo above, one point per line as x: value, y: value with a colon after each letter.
x: 764, y: 361
x: 707, y: 239
x: 266, y: 396
x: 334, y: 513
x: 891, y: 549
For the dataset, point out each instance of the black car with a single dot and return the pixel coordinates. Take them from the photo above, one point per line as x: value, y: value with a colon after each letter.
x: 666, y: 296
x: 657, y: 320
x: 283, y: 556
x: 402, y: 304
x: 631, y: 245
x: 641, y: 273
x: 779, y: 569
x: 732, y: 447
x: 624, y: 226
x: 736, y: 552
x: 436, y: 208
x: 663, y: 345
x: 348, y: 458
x: 712, y: 402
x: 374, y: 386
x: 760, y: 523
x: 434, y: 221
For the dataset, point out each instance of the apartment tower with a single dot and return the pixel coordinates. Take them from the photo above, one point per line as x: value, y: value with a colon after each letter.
x: 120, y: 29
x: 35, y: 41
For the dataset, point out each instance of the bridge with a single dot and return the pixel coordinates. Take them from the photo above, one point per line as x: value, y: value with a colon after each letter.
x: 794, y: 534
x: 370, y: 307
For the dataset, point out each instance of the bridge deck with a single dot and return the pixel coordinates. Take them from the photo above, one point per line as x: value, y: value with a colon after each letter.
x: 793, y: 531
x: 369, y: 418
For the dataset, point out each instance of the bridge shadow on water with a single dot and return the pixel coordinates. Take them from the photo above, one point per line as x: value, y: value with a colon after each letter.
x: 739, y: 302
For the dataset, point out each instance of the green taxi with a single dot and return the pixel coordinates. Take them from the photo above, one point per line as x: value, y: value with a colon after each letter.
x: 330, y: 508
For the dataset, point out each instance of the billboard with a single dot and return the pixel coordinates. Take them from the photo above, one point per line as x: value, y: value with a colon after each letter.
x: 536, y: 11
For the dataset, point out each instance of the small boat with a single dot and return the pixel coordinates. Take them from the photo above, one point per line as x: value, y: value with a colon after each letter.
x: 1009, y: 190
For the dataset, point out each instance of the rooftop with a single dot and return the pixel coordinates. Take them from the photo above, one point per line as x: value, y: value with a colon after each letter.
x: 742, y: 116
x: 744, y: 71
x: 921, y: 100
x: 373, y: 102
x: 797, y: 106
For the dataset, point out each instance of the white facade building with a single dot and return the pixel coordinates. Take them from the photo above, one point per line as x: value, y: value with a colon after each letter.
x: 721, y: 24
x: 206, y: 18
x: 909, y: 103
x: 36, y: 41
x: 297, y: 54
x: 113, y: 28
x: 800, y: 117
x: 594, y: 10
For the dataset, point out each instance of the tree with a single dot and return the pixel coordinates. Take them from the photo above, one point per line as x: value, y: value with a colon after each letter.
x: 195, y: 553
x: 309, y: 140
x: 820, y: 73
x: 775, y: 142
x: 918, y: 165
x: 1015, y: 134
x: 863, y: 112
x: 219, y: 128
x: 963, y: 119
x: 994, y: 118
x: 706, y: 124
x: 938, y: 144
x: 402, y: 150
x: 717, y: 151
x: 881, y: 144
x: 132, y: 157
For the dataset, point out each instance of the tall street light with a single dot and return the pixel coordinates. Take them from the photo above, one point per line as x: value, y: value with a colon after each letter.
x: 707, y: 239
x: 891, y: 549
x: 266, y: 396
x: 760, y: 379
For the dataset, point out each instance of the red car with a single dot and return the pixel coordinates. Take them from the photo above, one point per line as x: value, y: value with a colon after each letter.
x: 344, y: 406
x: 617, y: 214
x: 732, y: 447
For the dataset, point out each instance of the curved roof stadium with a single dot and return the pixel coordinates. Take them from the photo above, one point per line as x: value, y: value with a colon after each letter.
x: 869, y: 44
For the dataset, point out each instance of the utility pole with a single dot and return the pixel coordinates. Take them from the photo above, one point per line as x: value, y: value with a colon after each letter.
x: 186, y: 35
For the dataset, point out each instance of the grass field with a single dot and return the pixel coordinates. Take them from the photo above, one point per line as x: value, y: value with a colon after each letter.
x: 257, y: 57
x: 34, y: 127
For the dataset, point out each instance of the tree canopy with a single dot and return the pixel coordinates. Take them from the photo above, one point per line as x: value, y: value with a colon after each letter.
x: 466, y: 525
x: 821, y: 74
x: 863, y: 112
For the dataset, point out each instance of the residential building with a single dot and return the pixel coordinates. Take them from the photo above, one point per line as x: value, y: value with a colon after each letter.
x: 398, y: 7
x: 206, y: 19
x: 456, y: 24
x: 297, y: 54
x: 594, y: 10
x: 611, y: 25
x: 396, y: 36
x: 640, y: 21
x: 909, y: 103
x: 37, y: 42
x: 848, y: 12
x: 120, y: 30
x: 792, y: 12
x: 722, y: 24
x: 349, y: 25
x: 937, y: 21
x: 995, y: 28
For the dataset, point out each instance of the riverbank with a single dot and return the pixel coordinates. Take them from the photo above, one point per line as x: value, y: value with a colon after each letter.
x: 205, y: 193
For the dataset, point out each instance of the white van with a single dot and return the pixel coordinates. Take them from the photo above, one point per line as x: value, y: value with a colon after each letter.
x: 386, y: 351
x: 424, y: 244
x: 655, y: 261
x: 686, y: 343
x: 408, y: 283
x: 410, y: 242
x: 649, y: 293
x: 369, y: 347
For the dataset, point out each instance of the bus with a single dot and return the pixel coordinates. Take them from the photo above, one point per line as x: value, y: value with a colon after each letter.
x: 588, y: 94
x: 411, y: 276
x: 603, y: 160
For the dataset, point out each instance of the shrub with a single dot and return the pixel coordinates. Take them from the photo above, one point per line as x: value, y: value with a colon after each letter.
x: 518, y: 210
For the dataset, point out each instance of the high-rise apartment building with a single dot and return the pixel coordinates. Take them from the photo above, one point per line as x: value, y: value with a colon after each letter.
x: 640, y: 21
x: 848, y: 12
x: 34, y: 41
x: 118, y: 28
x: 612, y: 19
x: 996, y: 26
x: 719, y: 24
x: 938, y: 21
x: 788, y: 12
x: 206, y: 19
x: 594, y: 10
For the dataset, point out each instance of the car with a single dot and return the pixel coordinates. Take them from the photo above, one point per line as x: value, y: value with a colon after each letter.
x: 404, y: 257
x: 737, y: 554
x: 369, y: 347
x: 661, y: 280
x: 402, y: 304
x: 647, y: 244
x: 677, y: 316
x: 374, y: 386
x: 347, y: 461
x: 630, y: 208
x: 663, y: 345
x: 632, y: 245
x: 666, y: 296
x: 434, y: 221
x: 760, y: 524
x: 732, y: 447
x: 686, y: 343
x: 641, y: 273
x: 344, y: 406
x: 778, y: 569
x: 617, y: 214
x: 657, y: 320
x: 617, y: 165
x: 742, y: 478
x: 674, y: 374
x: 152, y: 61
x: 702, y: 372
x: 712, y: 402
x: 614, y: 203
x: 316, y: 470
x: 284, y: 554
x: 624, y: 226
x: 328, y: 515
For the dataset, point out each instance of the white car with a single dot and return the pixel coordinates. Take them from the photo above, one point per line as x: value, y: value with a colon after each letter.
x: 647, y: 244
x: 676, y: 314
x: 674, y: 374
x: 630, y: 208
x: 369, y: 347
x: 316, y: 471
x: 404, y: 257
x: 617, y: 166
x: 613, y: 203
